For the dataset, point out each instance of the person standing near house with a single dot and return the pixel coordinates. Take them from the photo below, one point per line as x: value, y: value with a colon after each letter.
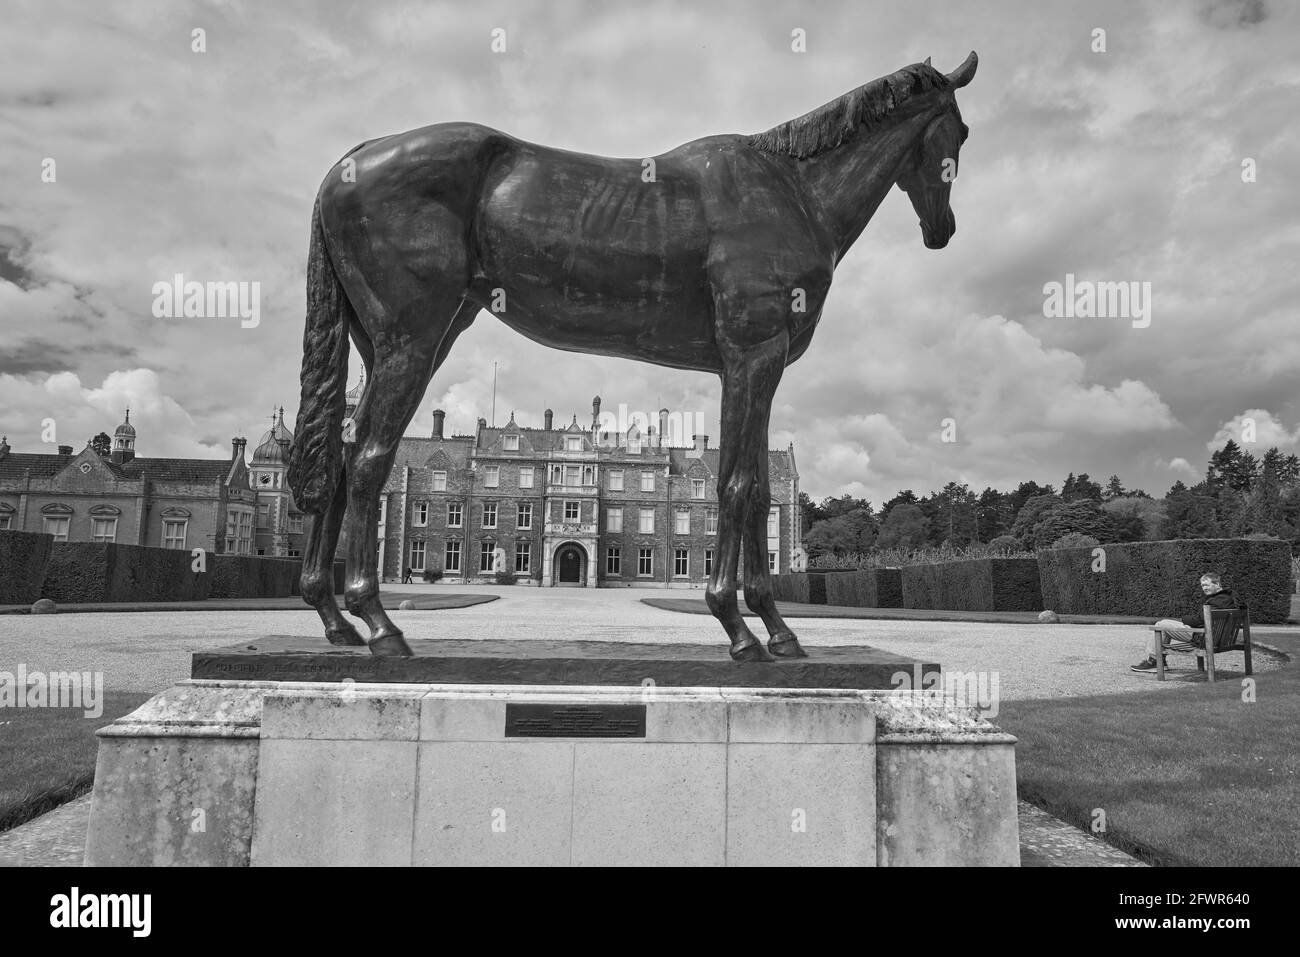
x: 406, y: 576
x: 1180, y: 629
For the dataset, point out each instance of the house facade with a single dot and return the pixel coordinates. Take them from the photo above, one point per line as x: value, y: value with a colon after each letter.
x: 566, y: 506
x: 219, y: 505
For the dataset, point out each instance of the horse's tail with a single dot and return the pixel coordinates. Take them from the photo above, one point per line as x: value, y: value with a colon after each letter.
x: 316, y: 460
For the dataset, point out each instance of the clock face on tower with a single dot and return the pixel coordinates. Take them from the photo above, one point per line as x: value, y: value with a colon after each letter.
x: 266, y: 480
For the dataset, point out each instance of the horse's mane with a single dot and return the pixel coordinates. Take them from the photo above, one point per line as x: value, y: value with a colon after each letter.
x: 867, y: 107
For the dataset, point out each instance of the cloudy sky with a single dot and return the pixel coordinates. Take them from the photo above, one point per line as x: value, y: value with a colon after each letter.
x: 1122, y: 165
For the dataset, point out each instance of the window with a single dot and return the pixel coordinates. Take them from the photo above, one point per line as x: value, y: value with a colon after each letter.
x: 697, y: 488
x: 5, y: 522
x: 295, y: 523
x: 524, y: 516
x: 103, y: 529
x: 174, y: 532
x: 454, y: 514
x: 420, y: 514
x: 572, y: 511
x: 239, y: 532
x: 523, y: 557
x: 711, y: 522
x: 417, y: 557
x: 645, y: 561
x: 616, y: 480
x: 440, y: 481
x: 613, y: 560
x: 633, y: 444
x: 58, y: 527
x: 573, y: 443
x: 683, y: 526
x: 647, y: 523
x: 774, y: 523
x: 571, y: 475
x: 489, y: 514
x: 614, y: 520
x: 511, y: 443
x: 383, y: 510
x: 771, y: 561
x: 526, y: 476
x: 451, y: 559
x: 681, y: 562
x: 557, y: 475
x: 491, y: 476
x: 264, y: 515
x: 486, y: 555
x: 589, y: 475
x: 708, y: 562
x: 647, y: 481
x: 295, y: 553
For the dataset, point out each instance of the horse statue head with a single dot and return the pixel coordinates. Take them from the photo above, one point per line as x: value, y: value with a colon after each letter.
x: 928, y: 173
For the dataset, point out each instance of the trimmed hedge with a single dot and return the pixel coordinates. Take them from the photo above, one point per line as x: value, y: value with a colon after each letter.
x: 253, y: 576
x: 23, y: 558
x: 868, y: 588
x: 103, y: 572
x: 1162, y: 579
x: 977, y: 584
x: 791, y: 587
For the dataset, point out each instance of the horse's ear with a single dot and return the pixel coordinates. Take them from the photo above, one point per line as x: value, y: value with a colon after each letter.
x: 927, y: 61
x: 964, y: 73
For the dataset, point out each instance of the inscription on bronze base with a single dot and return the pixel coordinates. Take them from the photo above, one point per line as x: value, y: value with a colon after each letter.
x: 575, y: 720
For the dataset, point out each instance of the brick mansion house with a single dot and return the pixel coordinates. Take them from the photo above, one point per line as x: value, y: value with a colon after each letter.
x: 571, y: 505
x: 567, y: 505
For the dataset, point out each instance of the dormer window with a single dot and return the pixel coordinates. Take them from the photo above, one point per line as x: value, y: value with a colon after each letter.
x: 511, y: 443
x: 573, y: 443
x: 633, y: 444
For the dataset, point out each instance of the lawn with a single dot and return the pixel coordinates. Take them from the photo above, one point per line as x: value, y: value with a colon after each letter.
x: 1190, y: 777
x: 47, y: 755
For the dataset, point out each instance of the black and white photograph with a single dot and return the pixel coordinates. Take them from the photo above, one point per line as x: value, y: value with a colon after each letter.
x: 651, y: 434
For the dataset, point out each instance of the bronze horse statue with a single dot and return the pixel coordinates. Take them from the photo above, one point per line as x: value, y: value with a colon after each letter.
x: 715, y: 257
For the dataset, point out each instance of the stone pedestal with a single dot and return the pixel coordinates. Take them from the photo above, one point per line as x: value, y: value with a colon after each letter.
x: 229, y: 772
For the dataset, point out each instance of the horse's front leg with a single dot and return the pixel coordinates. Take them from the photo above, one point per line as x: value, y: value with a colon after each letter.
x: 747, y: 388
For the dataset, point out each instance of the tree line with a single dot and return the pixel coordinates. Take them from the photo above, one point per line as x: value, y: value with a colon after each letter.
x: 1240, y: 495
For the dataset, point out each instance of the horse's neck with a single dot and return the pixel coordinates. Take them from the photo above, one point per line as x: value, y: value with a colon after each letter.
x: 846, y: 185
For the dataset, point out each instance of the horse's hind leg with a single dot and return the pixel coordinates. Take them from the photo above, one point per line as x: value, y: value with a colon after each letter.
x: 318, y: 571
x: 398, y: 378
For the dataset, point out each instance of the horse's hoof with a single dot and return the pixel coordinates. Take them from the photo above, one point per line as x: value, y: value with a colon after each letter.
x: 344, y: 634
x: 751, y: 649
x: 391, y: 645
x: 786, y: 646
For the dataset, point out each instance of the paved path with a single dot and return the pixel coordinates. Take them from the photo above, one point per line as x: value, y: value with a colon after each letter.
x: 148, y: 652
x: 292, y: 603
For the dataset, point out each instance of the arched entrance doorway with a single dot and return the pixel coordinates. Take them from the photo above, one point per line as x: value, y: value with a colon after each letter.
x: 570, y: 565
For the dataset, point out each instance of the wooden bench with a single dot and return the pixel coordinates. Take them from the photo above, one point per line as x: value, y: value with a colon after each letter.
x: 1231, y: 628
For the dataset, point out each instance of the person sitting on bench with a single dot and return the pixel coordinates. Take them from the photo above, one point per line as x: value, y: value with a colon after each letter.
x: 1216, y: 596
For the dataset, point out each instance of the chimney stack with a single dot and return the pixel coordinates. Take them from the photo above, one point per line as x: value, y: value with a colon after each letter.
x: 439, y: 416
x: 595, y: 412
x: 237, y: 446
x: 547, y: 417
x: 701, y: 443
x: 65, y: 449
x: 4, y: 446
